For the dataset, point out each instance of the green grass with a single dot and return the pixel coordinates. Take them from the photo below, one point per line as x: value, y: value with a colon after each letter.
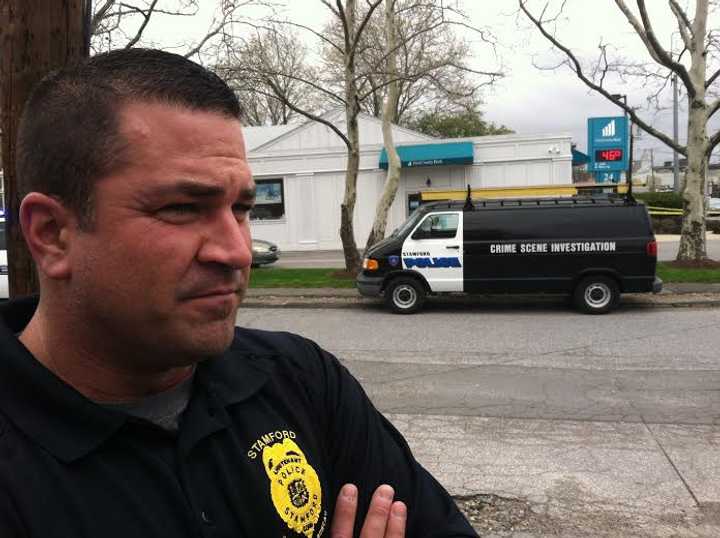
x: 268, y: 277
x: 675, y: 274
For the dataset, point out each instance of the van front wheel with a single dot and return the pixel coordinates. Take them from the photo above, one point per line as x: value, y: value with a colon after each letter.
x: 404, y: 295
x: 597, y: 294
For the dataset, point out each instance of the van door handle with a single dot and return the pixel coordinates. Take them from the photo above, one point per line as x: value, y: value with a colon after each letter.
x: 456, y: 247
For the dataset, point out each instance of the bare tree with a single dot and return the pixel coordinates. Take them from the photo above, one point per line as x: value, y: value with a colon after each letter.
x: 265, y: 69
x: 124, y: 24
x: 258, y: 69
x: 698, y: 71
x: 353, y: 75
x: 433, y: 68
x: 415, y: 66
x: 392, y: 179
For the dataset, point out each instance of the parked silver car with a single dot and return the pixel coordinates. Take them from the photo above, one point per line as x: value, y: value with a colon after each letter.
x: 264, y: 252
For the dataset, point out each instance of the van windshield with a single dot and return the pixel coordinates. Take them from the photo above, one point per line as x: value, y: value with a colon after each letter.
x: 406, y: 226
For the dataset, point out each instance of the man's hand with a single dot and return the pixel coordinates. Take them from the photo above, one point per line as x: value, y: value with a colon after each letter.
x: 385, y: 518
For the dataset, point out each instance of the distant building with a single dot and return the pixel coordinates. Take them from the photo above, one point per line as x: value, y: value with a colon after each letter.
x: 300, y: 174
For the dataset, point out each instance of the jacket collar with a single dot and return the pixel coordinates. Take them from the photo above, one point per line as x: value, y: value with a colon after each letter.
x: 69, y: 425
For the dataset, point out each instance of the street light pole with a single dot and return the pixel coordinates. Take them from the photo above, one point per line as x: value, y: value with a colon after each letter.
x: 676, y: 162
x: 628, y: 174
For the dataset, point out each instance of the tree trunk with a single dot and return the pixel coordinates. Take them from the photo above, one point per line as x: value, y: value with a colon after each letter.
x: 392, y: 179
x: 37, y: 36
x: 692, y: 238
x: 347, y: 209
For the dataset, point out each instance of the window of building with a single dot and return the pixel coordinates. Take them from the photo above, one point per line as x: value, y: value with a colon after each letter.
x: 269, y: 200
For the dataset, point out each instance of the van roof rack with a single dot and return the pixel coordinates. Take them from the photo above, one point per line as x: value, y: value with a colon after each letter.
x: 581, y: 200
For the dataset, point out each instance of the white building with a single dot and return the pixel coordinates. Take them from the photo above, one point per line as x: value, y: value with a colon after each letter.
x: 300, y: 174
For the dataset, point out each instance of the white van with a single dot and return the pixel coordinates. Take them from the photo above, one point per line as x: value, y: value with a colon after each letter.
x: 4, y: 287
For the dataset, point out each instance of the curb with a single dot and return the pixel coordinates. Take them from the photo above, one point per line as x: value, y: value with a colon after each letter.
x: 270, y: 298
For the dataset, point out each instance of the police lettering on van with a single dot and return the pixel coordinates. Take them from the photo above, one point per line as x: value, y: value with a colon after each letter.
x: 522, y: 248
x: 593, y: 249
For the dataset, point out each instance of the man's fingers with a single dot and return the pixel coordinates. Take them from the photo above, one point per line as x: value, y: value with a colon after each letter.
x: 378, y: 513
x: 397, y: 520
x: 345, y: 508
x: 385, y: 518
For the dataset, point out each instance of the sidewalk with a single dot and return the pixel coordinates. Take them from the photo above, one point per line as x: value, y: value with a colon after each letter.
x: 543, y: 478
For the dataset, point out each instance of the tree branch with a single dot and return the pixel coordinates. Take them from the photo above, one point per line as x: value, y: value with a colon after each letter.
x: 266, y: 74
x: 100, y: 15
x: 358, y: 34
x: 212, y: 33
x: 712, y: 79
x: 713, y: 108
x: 314, y: 32
x: 684, y: 24
x: 656, y: 50
x: 599, y: 89
x: 147, y: 14
x: 712, y: 143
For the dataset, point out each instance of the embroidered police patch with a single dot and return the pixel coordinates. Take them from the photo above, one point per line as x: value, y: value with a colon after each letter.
x: 394, y: 261
x: 294, y: 486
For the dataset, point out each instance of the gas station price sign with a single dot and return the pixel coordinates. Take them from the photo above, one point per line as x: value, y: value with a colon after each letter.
x: 609, y: 155
x: 607, y: 144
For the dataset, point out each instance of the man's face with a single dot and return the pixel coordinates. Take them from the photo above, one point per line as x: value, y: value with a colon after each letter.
x: 165, y: 266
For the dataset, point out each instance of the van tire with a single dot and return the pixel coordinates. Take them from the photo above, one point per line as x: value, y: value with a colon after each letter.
x: 404, y: 295
x: 596, y: 294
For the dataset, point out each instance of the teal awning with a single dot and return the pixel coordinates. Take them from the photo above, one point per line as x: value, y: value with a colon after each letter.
x: 579, y: 158
x: 432, y: 154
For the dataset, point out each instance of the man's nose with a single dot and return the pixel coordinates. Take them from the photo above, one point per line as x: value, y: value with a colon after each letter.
x: 227, y: 242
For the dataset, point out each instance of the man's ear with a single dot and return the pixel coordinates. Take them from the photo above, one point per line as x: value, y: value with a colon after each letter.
x: 47, y: 226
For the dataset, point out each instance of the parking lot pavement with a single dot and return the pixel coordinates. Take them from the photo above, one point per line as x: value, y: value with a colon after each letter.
x: 598, y: 479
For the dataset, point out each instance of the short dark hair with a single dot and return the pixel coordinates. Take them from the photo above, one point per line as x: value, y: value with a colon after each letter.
x: 69, y: 131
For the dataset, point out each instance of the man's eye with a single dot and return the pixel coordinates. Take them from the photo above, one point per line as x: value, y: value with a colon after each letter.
x: 180, y: 208
x: 178, y: 212
x: 241, y: 210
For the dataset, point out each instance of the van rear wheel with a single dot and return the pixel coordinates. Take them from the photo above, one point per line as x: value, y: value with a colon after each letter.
x: 404, y: 295
x: 597, y: 294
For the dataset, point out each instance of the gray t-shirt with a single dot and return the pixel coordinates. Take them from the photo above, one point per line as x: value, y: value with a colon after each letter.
x: 163, y: 409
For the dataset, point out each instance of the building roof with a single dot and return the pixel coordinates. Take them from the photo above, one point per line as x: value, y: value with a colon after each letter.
x: 256, y: 136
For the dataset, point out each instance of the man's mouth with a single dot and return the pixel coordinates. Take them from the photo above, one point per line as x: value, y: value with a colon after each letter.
x: 217, y: 292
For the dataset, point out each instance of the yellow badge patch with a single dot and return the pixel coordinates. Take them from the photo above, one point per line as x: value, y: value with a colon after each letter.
x: 294, y: 486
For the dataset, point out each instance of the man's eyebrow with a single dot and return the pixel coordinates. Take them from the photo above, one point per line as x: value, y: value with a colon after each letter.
x: 197, y: 189
x: 188, y: 187
x: 248, y: 194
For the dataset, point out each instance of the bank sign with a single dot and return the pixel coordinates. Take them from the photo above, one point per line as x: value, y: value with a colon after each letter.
x: 607, y: 144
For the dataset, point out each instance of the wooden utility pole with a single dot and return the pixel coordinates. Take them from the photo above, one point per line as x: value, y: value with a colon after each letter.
x: 36, y: 36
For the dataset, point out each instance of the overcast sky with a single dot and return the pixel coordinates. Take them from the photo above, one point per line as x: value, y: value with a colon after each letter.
x: 528, y: 100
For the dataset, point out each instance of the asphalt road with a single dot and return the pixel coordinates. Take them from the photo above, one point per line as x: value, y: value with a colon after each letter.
x: 667, y: 251
x: 653, y: 366
x: 565, y: 425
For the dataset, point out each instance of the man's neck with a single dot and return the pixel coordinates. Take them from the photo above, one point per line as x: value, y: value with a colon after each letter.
x: 95, y: 376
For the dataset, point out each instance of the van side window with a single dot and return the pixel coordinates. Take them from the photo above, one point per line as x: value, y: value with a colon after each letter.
x: 442, y: 226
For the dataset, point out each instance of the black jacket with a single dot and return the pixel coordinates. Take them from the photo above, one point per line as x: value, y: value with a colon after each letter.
x: 273, y: 429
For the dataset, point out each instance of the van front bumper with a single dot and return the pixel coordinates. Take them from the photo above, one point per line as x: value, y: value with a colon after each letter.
x: 369, y: 286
